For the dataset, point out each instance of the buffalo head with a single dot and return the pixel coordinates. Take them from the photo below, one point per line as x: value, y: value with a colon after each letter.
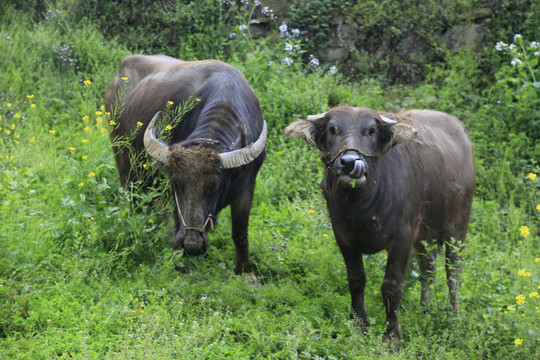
x: 196, y: 168
x: 351, y: 140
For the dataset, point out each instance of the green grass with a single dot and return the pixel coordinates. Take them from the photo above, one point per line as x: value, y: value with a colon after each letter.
x: 85, y: 273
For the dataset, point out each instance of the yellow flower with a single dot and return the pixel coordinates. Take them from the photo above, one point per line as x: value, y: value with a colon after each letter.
x: 524, y: 273
x: 518, y: 342
x: 87, y: 82
x: 8, y: 132
x: 8, y: 105
x: 538, y: 207
x: 533, y: 295
x: 72, y: 149
x: 17, y: 116
x: 107, y: 113
x: 32, y: 139
x: 511, y: 308
x: 325, y: 236
x: 169, y: 103
x: 168, y: 127
x: 537, y: 260
x: 125, y: 78
x: 12, y: 126
x: 84, y: 157
x: 520, y: 299
x: 311, y: 211
x: 80, y: 185
x: 92, y: 218
x: 85, y: 118
x: 431, y: 286
x: 87, y: 129
x: 145, y: 166
x: 92, y: 174
x: 151, y: 221
x: 33, y: 106
x: 139, y: 123
x: 102, y: 107
x: 532, y: 176
x: 84, y: 141
x: 524, y: 231
x: 102, y: 130
x: 197, y: 99
x: 99, y: 113
x: 30, y: 96
x: 52, y: 132
x: 99, y: 121
x: 112, y: 123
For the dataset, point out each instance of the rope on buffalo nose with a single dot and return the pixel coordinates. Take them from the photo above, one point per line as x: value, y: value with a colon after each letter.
x: 362, y: 155
x: 209, y: 219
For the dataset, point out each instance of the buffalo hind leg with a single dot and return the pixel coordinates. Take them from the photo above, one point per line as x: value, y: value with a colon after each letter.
x: 427, y: 265
x: 454, y: 249
x: 240, y: 209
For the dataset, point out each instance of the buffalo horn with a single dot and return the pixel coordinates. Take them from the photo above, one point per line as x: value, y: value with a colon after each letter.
x: 387, y: 120
x: 157, y: 148
x: 316, y: 117
x: 247, y: 154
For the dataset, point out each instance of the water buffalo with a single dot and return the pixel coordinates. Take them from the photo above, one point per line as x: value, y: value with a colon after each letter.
x: 395, y: 183
x: 216, y: 149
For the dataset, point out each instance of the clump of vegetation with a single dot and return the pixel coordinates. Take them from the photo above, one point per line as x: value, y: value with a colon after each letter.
x: 87, y: 272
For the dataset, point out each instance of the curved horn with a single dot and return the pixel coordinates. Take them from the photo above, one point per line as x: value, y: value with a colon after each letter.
x: 156, y: 147
x: 387, y: 120
x: 247, y: 154
x: 315, y: 117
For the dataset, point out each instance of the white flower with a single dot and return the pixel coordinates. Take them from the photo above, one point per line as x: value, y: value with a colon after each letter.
x: 499, y: 46
x: 295, y: 32
x: 517, y: 36
x: 283, y: 30
x: 288, y: 47
x: 288, y: 61
x: 535, y: 45
x: 515, y: 62
x: 313, y: 61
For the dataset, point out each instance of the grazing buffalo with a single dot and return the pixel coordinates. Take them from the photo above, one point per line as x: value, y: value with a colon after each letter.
x: 215, y: 151
x: 394, y: 183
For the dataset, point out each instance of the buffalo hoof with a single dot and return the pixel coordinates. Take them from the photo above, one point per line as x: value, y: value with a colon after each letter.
x: 252, y: 278
x: 393, y: 342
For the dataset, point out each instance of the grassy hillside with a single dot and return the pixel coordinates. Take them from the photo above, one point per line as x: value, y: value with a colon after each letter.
x: 87, y: 273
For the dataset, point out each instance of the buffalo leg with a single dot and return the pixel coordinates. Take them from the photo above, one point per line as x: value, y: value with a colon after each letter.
x: 392, y: 291
x: 356, y: 277
x: 426, y: 262
x: 454, y: 248
x: 240, y: 209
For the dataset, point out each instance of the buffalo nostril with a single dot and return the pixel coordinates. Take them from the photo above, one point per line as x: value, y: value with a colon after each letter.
x: 348, y: 163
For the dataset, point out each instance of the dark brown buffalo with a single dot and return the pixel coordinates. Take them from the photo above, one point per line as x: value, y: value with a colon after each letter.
x: 390, y: 182
x: 216, y: 150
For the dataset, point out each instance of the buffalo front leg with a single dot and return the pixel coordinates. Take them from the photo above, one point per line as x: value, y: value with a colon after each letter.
x: 240, y: 209
x: 392, y: 291
x: 356, y: 277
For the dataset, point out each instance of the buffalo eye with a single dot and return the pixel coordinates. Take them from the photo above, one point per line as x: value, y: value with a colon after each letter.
x: 372, y: 131
x: 333, y: 130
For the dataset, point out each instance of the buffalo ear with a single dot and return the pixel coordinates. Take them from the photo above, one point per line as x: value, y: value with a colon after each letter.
x: 303, y: 129
x: 401, y: 132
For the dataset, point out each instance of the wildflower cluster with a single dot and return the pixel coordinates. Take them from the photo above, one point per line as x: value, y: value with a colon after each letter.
x: 6, y: 37
x: 53, y: 16
x: 527, y: 303
x: 66, y: 56
x: 12, y: 116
